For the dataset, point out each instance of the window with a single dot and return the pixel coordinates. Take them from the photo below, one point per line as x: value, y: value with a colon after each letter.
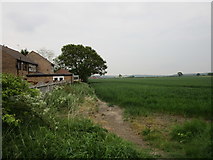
x: 32, y: 68
x: 52, y: 69
x: 76, y: 77
x: 58, y: 78
x: 25, y: 66
x: 19, y: 65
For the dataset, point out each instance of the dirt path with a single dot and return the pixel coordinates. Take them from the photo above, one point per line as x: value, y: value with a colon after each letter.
x: 111, y: 118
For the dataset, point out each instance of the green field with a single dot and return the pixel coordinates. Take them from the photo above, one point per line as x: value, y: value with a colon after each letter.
x: 189, y: 96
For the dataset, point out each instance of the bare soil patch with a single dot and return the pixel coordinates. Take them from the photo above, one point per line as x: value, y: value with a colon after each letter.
x: 111, y: 118
x: 157, y: 121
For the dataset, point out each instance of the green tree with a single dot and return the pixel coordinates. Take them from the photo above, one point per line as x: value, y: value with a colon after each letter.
x: 80, y: 60
x: 24, y: 51
x: 180, y: 74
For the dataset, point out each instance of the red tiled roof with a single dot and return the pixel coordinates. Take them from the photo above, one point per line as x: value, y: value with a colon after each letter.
x: 63, y: 71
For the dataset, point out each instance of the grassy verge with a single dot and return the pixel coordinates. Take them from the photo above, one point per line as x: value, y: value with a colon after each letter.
x: 191, y: 139
x: 44, y: 131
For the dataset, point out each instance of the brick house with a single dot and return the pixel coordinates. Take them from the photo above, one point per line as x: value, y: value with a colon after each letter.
x: 45, y: 71
x: 44, y: 66
x: 13, y: 62
x: 47, y: 78
x: 34, y: 68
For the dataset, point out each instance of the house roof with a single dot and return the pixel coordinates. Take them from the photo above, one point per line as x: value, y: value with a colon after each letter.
x: 40, y: 56
x: 17, y: 55
x: 63, y: 71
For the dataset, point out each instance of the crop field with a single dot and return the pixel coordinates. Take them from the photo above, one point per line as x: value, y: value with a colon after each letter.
x: 188, y: 96
x: 151, y: 105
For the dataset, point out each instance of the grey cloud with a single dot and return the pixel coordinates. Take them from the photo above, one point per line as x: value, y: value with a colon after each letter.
x: 24, y: 16
x: 134, y: 38
x: 26, y: 22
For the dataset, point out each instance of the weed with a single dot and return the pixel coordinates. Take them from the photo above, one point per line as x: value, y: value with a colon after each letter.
x: 195, y: 137
x: 150, y: 134
x: 110, y: 105
x: 190, y: 129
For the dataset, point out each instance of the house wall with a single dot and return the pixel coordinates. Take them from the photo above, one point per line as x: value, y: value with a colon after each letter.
x: 44, y: 66
x: 22, y: 73
x: 8, y: 64
x: 45, y: 79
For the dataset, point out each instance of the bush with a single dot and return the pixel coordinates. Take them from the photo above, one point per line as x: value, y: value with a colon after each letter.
x: 15, y: 93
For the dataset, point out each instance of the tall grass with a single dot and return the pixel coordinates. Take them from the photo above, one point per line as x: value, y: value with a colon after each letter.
x: 192, y: 139
x: 195, y: 137
x: 51, y: 136
x: 78, y: 138
x: 68, y: 97
x: 189, y: 96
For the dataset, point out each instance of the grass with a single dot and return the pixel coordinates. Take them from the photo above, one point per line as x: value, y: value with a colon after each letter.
x: 54, y: 136
x: 185, y: 101
x: 78, y: 138
x: 190, y: 96
x: 192, y: 139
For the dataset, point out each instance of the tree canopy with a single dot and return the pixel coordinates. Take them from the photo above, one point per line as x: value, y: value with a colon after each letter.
x: 80, y: 60
x: 24, y: 51
x: 180, y: 74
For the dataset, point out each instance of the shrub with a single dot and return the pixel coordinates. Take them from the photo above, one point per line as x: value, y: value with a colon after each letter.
x: 14, y: 90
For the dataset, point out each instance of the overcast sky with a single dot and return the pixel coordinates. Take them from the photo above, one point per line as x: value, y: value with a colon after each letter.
x: 134, y: 38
